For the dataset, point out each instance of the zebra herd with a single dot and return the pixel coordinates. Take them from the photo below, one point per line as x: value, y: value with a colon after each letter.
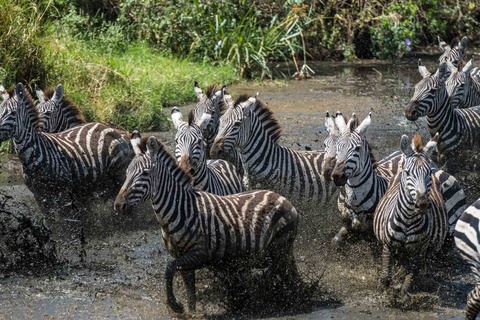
x: 228, y: 195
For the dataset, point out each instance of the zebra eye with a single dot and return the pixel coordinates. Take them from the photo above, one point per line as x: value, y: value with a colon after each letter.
x: 407, y: 173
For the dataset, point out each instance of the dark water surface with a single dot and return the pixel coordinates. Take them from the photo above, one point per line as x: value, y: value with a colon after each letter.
x: 123, y: 278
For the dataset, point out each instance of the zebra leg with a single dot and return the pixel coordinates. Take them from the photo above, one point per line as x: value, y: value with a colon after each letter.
x: 385, y: 277
x: 188, y: 262
x: 473, y: 304
x: 189, y: 282
x: 339, y: 237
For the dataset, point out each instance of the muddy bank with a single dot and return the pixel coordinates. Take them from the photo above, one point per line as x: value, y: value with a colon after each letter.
x: 123, y: 276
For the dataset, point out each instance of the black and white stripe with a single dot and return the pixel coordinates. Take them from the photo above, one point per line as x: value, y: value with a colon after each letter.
x: 250, y: 127
x: 202, y: 229
x: 57, y: 112
x: 467, y: 240
x: 60, y: 168
x: 455, y: 54
x: 215, y: 176
x: 463, y: 86
x: 411, y: 220
x: 458, y: 128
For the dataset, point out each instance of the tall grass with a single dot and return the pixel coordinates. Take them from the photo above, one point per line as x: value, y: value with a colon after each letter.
x: 129, y: 87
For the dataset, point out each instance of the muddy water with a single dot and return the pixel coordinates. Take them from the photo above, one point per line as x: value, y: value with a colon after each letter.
x: 123, y: 278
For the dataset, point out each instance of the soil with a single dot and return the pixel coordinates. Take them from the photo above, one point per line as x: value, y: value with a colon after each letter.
x: 122, y: 277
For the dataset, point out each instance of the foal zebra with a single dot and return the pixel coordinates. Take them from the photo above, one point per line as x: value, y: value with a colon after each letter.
x: 463, y: 86
x: 58, y: 112
x: 467, y: 235
x: 59, y: 168
x: 457, y: 128
x: 411, y: 220
x: 250, y: 127
x: 201, y: 229
x: 215, y: 176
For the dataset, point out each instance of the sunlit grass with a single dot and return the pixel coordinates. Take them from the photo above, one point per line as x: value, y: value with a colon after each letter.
x: 129, y: 87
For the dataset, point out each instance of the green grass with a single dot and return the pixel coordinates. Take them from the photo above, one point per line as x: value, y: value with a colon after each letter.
x: 127, y: 87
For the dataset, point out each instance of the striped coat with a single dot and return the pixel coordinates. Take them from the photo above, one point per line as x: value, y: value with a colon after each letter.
x: 85, y: 161
x: 201, y: 229
x: 250, y: 127
x: 411, y: 219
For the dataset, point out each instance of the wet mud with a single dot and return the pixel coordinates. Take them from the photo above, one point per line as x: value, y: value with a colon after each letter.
x: 122, y: 277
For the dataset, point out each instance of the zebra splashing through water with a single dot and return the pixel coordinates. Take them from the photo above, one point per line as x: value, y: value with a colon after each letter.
x: 215, y: 176
x: 463, y: 86
x: 458, y: 129
x: 58, y: 112
x: 64, y: 167
x: 251, y: 127
x: 199, y: 229
x: 467, y: 235
x: 411, y: 219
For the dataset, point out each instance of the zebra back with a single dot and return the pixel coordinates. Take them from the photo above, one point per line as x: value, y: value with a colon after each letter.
x: 467, y: 235
x: 251, y: 127
x: 215, y: 176
x: 58, y: 112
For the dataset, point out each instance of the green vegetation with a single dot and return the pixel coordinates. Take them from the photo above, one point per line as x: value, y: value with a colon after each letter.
x: 122, y: 61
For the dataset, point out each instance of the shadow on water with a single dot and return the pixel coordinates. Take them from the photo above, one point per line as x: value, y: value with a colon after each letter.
x: 123, y: 277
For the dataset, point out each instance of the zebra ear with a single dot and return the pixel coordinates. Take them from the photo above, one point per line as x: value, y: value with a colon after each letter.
x: 177, y: 117
x: 432, y: 144
x: 249, y: 105
x: 468, y: 66
x: 352, y: 123
x: 363, y: 127
x: 449, y: 66
x: 442, y: 69
x: 442, y: 44
x: 463, y: 43
x: 329, y: 123
x: 204, y: 121
x: 136, y: 140
x: 405, y: 146
x: 423, y: 70
x: 40, y: 94
x: 340, y: 121
x: 152, y: 146
x: 58, y: 94
x: 19, y: 91
x: 197, y: 89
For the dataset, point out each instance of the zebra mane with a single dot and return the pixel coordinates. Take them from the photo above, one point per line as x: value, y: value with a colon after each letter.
x: 268, y: 119
x: 240, y: 99
x: 67, y: 105
x: 178, y: 174
x: 32, y: 111
x: 417, y: 143
x: 191, y: 118
x: 210, y: 91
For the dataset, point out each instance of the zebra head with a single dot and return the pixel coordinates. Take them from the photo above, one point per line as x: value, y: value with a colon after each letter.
x: 458, y: 83
x: 455, y: 54
x: 231, y: 126
x: 190, y: 146
x: 427, y: 93
x: 136, y: 187
x: 335, y: 125
x: 46, y: 107
x: 352, y: 150
x: 416, y: 176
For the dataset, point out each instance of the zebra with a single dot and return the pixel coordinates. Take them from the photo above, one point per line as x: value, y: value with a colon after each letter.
x: 458, y: 129
x: 455, y: 54
x: 365, y: 180
x: 411, y: 219
x: 251, y: 127
x: 467, y: 233
x: 215, y: 176
x: 60, y: 167
x: 58, y: 112
x: 463, y: 85
x: 201, y: 229
x: 334, y: 126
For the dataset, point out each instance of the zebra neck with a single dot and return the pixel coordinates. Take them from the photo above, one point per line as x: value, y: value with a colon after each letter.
x: 363, y: 191
x: 200, y: 175
x: 260, y: 155
x: 25, y: 143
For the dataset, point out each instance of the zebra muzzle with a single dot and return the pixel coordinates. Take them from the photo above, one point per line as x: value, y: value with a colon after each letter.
x: 422, y: 206
x: 411, y: 112
x: 121, y: 206
x: 339, y: 175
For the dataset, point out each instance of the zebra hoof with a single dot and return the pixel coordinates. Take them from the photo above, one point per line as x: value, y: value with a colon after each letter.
x: 337, y: 242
